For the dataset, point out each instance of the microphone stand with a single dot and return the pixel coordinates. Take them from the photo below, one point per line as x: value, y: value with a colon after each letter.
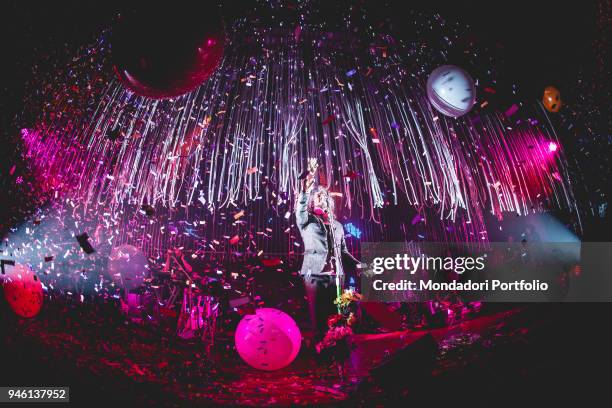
x: 337, y: 256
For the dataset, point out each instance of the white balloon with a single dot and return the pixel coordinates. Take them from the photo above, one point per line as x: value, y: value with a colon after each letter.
x: 128, y: 266
x: 451, y: 90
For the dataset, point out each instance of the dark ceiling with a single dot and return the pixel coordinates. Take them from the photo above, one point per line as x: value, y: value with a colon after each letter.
x: 537, y: 42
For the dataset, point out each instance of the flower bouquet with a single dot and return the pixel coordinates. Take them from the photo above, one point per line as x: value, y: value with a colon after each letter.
x: 335, y: 345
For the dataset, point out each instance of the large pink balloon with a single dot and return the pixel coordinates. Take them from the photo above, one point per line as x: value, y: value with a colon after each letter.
x: 23, y: 290
x: 268, y: 340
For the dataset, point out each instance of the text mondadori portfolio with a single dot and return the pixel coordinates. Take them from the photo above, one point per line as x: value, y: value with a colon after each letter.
x: 429, y: 285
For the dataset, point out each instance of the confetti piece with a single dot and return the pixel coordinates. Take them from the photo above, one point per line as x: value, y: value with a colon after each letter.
x: 271, y: 262
x: 351, y: 175
x: 297, y: 33
x: 511, y: 110
x: 329, y: 119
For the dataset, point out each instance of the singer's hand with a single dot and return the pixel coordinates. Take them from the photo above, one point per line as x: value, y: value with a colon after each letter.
x: 313, y: 165
x: 308, y: 182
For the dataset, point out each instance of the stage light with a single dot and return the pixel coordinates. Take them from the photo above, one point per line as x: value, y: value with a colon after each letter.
x: 553, y: 147
x: 352, y: 230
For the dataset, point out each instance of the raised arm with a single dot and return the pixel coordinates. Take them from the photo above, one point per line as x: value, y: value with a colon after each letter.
x: 301, y: 210
x: 307, y: 183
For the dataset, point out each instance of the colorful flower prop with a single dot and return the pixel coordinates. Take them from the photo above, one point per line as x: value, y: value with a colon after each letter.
x: 346, y: 299
x: 335, y: 344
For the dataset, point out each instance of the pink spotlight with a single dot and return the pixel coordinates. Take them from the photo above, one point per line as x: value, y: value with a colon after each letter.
x: 552, y: 147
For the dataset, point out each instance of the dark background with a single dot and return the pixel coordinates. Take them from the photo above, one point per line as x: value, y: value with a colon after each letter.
x: 539, y: 42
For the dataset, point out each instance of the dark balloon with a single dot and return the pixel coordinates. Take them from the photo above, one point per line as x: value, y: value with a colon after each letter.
x: 161, y: 52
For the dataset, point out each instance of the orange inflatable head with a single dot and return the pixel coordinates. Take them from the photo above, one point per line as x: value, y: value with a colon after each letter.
x: 551, y: 99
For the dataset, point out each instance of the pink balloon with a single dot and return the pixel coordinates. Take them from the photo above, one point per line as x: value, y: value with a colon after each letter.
x: 268, y: 340
x: 23, y: 290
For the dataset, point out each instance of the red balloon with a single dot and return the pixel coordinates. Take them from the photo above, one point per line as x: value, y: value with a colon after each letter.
x: 23, y: 291
x: 163, y: 52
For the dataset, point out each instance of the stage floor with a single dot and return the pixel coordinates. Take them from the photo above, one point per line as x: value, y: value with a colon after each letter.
x: 108, y: 360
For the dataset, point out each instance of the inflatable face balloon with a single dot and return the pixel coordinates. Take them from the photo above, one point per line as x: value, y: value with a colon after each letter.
x: 128, y: 267
x: 268, y: 340
x: 551, y: 99
x: 451, y: 91
x: 23, y: 290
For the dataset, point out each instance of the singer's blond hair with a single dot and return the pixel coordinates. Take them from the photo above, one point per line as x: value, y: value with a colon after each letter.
x: 325, y: 196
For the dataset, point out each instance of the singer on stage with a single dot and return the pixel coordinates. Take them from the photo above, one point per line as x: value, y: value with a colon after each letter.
x: 324, y: 263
